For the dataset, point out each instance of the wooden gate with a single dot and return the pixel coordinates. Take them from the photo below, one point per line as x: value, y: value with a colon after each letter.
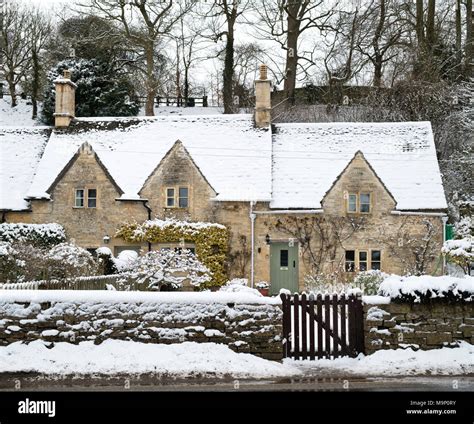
x: 319, y: 326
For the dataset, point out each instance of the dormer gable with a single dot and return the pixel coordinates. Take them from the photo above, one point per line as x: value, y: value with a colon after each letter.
x: 358, y: 190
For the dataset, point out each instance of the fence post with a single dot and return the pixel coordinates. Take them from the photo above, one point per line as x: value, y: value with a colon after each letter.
x: 359, y: 324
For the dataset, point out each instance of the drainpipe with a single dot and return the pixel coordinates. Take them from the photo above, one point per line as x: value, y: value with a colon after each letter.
x: 252, y: 243
x: 147, y: 207
x: 444, y: 219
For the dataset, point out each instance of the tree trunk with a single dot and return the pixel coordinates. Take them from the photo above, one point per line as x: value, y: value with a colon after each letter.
x: 420, y: 31
x: 458, y: 33
x: 12, y: 88
x: 228, y: 74
x: 35, y: 84
x: 430, y: 25
x: 186, y: 85
x: 469, y: 49
x: 291, y: 58
x: 378, y: 72
x: 150, y: 81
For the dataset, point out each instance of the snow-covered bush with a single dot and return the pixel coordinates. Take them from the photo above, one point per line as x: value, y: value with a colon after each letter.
x: 10, y: 265
x: 106, y: 260
x: 168, y: 270
x: 369, y: 281
x: 239, y: 285
x: 67, y: 260
x: 465, y: 227
x: 42, y: 235
x: 126, y: 260
x: 461, y: 252
x: 366, y: 282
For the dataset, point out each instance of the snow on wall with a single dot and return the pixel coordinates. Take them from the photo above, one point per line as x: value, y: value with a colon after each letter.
x: 20, y: 151
x: 415, y: 287
x: 253, y: 328
x: 311, y: 156
x: 233, y: 155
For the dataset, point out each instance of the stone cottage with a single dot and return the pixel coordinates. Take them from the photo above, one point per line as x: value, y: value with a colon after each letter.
x: 298, y: 200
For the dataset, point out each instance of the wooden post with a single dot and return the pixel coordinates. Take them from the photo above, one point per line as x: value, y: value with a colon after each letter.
x: 327, y: 321
x: 312, y: 351
x: 335, y: 326
x: 342, y: 302
x: 319, y: 313
x: 296, y: 327
x: 304, y: 335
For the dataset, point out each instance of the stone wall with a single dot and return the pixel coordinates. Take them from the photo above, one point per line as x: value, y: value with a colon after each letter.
x: 421, y: 326
x: 249, y: 328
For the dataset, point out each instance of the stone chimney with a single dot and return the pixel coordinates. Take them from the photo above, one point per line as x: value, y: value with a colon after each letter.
x: 263, y: 102
x: 65, y: 100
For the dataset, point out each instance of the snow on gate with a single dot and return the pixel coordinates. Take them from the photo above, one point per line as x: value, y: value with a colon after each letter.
x: 317, y: 326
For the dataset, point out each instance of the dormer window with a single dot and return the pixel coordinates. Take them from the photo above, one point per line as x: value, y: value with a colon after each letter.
x: 177, y: 197
x: 359, y: 203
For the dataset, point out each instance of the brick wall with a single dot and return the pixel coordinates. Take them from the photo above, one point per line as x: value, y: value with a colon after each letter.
x: 250, y: 328
x: 423, y: 326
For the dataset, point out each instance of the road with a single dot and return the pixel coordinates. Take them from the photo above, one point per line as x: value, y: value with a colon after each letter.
x: 30, y: 382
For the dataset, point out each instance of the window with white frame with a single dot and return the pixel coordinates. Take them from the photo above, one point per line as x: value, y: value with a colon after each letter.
x: 85, y: 198
x: 177, y: 197
x: 362, y: 260
x: 358, y: 203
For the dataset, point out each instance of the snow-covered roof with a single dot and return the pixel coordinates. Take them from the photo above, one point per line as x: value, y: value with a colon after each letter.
x: 233, y: 156
x: 20, y: 151
x: 307, y: 159
x: 292, y: 169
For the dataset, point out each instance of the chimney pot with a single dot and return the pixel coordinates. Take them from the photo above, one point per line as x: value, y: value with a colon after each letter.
x: 65, y: 100
x: 263, y: 72
x: 263, y: 101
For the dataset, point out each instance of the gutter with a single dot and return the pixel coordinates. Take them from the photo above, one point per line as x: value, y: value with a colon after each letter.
x: 147, y: 207
x: 289, y: 211
x: 252, y: 216
x: 440, y: 214
x: 445, y: 221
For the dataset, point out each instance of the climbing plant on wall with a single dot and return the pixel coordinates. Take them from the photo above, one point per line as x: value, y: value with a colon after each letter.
x: 211, y: 241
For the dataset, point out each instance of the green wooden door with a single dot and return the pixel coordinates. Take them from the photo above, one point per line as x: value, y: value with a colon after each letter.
x: 283, y: 267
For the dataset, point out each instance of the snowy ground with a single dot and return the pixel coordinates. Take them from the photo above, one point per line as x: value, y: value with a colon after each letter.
x: 400, y: 362
x: 18, y: 116
x: 210, y: 360
x: 183, y: 360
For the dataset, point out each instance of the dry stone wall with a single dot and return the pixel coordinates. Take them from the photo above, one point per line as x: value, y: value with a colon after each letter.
x: 418, y: 325
x: 250, y: 328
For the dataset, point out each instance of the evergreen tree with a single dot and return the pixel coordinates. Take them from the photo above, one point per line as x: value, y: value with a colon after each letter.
x: 99, y: 92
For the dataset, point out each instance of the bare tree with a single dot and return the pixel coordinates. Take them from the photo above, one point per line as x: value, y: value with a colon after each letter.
x: 145, y: 23
x: 469, y: 45
x: 39, y: 31
x: 285, y: 21
x: 15, y: 46
x: 381, y: 33
x: 222, y: 17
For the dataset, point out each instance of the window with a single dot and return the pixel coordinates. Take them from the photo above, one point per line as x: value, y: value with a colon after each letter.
x: 375, y: 259
x: 364, y: 202
x: 80, y: 199
x: 91, y: 198
x: 350, y: 260
x: 79, y: 202
x: 177, y: 197
x: 284, y: 258
x: 170, y: 197
x: 183, y: 197
x: 358, y: 203
x: 352, y: 203
x: 362, y: 261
